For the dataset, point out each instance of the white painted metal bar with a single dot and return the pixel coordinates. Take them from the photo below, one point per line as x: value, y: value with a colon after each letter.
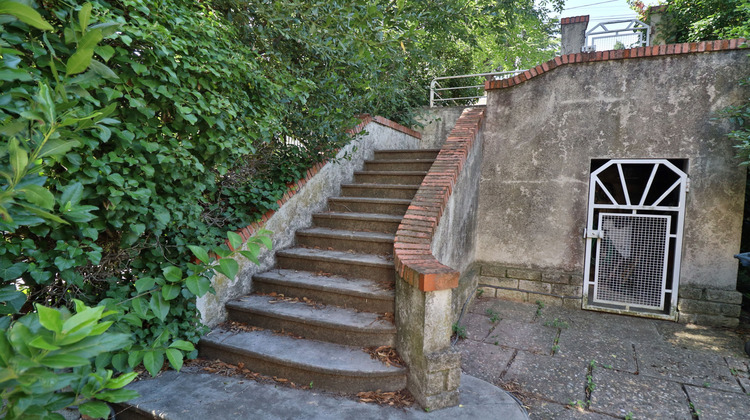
x: 435, y: 86
x: 648, y: 185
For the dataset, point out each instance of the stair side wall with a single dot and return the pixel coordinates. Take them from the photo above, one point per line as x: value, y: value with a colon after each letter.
x: 296, y: 211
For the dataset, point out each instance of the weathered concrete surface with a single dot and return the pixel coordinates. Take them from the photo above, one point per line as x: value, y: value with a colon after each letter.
x: 573, y: 36
x: 194, y: 395
x: 542, y: 135
x: 612, y: 364
x: 438, y: 123
x: 618, y: 393
x: 297, y: 214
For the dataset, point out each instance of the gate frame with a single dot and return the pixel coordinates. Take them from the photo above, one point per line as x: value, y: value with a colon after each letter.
x: 639, y: 208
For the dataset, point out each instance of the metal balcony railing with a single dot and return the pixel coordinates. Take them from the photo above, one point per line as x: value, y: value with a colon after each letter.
x: 436, y: 98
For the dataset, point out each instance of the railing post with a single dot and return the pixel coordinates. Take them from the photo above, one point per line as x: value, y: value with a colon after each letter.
x: 432, y: 93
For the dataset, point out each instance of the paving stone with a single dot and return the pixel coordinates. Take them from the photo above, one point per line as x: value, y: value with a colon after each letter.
x: 533, y: 337
x: 713, y: 404
x: 478, y: 326
x: 548, y: 377
x: 506, y: 309
x: 607, y: 351
x: 619, y: 393
x: 685, y: 365
x: 738, y: 364
x: 482, y: 360
x: 543, y: 410
x: 702, y: 338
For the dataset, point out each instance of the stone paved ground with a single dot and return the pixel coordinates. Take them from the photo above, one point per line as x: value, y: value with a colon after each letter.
x: 571, y: 364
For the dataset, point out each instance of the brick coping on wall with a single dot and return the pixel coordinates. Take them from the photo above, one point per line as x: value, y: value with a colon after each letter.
x: 640, y: 52
x: 412, y: 246
x: 292, y: 188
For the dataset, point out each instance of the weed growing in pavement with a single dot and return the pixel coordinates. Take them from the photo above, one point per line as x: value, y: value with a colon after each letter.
x: 459, y: 331
x: 539, y: 307
x: 629, y: 416
x: 480, y: 292
x: 494, y: 316
x: 556, y: 323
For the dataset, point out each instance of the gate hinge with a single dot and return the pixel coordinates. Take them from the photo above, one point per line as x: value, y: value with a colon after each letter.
x: 687, y: 185
x: 593, y: 234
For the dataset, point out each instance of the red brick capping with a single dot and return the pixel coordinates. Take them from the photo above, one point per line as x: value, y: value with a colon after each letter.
x: 412, y: 254
x: 574, y: 19
x: 652, y: 51
x: 365, y: 119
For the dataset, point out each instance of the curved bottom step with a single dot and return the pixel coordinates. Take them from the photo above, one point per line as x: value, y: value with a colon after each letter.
x: 327, y: 366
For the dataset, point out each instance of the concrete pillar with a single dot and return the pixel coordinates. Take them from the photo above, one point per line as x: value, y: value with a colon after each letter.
x: 423, y: 321
x: 655, y: 16
x: 573, y: 34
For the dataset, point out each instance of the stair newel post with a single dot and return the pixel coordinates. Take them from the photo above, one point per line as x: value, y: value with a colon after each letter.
x: 423, y: 322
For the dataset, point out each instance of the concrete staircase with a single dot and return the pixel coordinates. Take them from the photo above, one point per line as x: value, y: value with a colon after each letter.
x: 310, y: 318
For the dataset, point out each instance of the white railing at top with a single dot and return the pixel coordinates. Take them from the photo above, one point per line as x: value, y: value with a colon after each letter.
x: 630, y: 33
x: 435, y: 88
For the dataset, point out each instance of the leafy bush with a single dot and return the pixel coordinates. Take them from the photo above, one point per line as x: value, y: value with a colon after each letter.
x: 46, y: 363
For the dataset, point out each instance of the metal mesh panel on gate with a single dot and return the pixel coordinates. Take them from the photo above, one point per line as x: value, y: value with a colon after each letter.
x: 631, y: 259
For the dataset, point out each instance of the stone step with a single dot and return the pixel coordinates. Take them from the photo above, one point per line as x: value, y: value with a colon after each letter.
x: 398, y: 165
x: 379, y: 191
x: 389, y: 177
x: 346, y: 240
x: 369, y: 205
x: 314, y: 321
x: 366, y: 222
x: 317, y: 364
x: 345, y: 264
x: 359, y: 294
x: 406, y: 154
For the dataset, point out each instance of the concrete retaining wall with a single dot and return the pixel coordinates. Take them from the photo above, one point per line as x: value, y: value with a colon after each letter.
x: 296, y: 212
x: 545, y: 127
x: 438, y: 123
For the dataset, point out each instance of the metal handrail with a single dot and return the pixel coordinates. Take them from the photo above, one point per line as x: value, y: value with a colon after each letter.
x: 434, y: 89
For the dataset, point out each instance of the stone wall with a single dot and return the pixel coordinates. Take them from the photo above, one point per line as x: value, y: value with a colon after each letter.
x: 521, y: 284
x: 546, y: 126
x: 437, y: 124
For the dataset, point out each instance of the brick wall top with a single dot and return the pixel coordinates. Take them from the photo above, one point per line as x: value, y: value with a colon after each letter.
x: 412, y: 246
x: 640, y: 52
x: 574, y: 19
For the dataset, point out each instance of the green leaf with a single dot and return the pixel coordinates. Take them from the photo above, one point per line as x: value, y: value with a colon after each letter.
x: 95, y: 409
x: 19, y: 159
x: 228, y: 267
x: 159, y: 306
x: 263, y: 239
x: 143, y: 284
x: 198, y: 285
x: 105, y: 52
x: 200, y: 253
x: 250, y: 255
x: 39, y: 196
x: 235, y: 240
x: 25, y: 14
x: 84, y: 15
x: 79, y: 61
x: 172, y: 274
x: 153, y: 361
x: 63, y: 361
x: 50, y: 318
x: 57, y: 147
x: 40, y: 342
x: 121, y: 381
x: 103, y: 71
x: 90, y: 40
x: 170, y: 291
x: 175, y: 358
x: 72, y: 193
x: 182, y: 345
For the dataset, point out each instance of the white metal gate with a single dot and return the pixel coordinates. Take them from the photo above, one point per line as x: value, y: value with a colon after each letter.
x: 634, y: 236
